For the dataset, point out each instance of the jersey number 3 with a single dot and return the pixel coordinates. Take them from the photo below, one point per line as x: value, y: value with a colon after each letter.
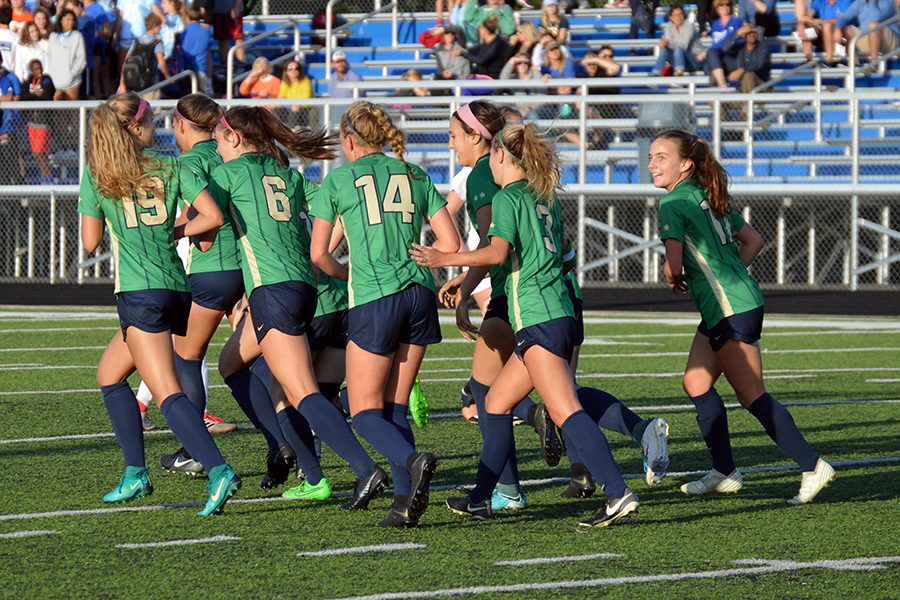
x: 152, y: 210
x: 397, y: 198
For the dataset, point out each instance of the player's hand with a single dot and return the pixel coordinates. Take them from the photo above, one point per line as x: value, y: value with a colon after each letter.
x: 450, y: 290
x: 463, y: 323
x: 427, y: 256
x: 679, y: 286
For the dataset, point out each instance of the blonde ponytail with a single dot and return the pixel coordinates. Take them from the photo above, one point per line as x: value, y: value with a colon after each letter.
x: 535, y: 155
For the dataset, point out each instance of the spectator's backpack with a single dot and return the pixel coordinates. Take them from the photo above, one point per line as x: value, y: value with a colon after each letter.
x: 139, y: 71
x: 643, y: 14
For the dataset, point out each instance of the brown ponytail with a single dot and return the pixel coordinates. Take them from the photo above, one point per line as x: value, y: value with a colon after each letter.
x: 489, y: 115
x: 200, y: 111
x: 374, y: 127
x: 260, y: 128
x: 706, y: 170
x: 535, y: 155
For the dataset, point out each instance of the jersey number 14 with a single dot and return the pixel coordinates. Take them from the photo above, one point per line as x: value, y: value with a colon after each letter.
x: 397, y: 198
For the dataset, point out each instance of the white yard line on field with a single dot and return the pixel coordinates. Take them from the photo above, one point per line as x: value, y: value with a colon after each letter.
x: 527, y: 482
x: 15, y: 535
x: 210, y: 540
x: 364, y: 549
x: 763, y: 567
x: 893, y: 380
x: 555, y: 559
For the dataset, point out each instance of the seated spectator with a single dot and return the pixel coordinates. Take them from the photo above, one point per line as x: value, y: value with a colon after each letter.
x: 489, y: 56
x: 643, y: 18
x: 526, y: 41
x: 412, y: 75
x: 66, y: 57
x: 144, y: 62
x: 557, y: 66
x: 727, y: 33
x: 869, y: 13
x: 601, y: 65
x: 754, y: 62
x: 29, y: 48
x: 195, y: 48
x: 260, y: 83
x: 451, y: 64
x: 11, y: 145
x: 474, y: 15
x: 553, y: 23
x: 519, y: 67
x: 822, y: 18
x: 295, y: 85
x: 228, y: 26
x: 340, y: 73
x: 8, y: 39
x: 20, y: 16
x: 680, y: 44
x: 39, y: 87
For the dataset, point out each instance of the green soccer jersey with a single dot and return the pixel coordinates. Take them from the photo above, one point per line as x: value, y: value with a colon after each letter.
x: 332, y: 295
x: 382, y: 207
x: 533, y: 228
x: 224, y: 255
x: 569, y: 258
x: 268, y: 208
x: 480, y: 192
x: 141, y: 228
x: 716, y: 276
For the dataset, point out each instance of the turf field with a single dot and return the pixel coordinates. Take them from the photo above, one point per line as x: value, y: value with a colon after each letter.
x: 841, y: 377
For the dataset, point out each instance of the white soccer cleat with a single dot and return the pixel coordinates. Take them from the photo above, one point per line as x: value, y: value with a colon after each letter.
x: 813, y: 482
x: 714, y: 482
x: 655, y: 447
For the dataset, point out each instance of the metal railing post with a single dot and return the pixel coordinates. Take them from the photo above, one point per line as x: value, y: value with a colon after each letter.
x: 884, y: 272
x: 717, y: 128
x: 329, y: 42
x: 811, y: 249
x: 394, y: 22
x: 749, y: 138
x: 779, y: 244
x: 52, y: 245
x: 82, y: 159
x: 30, y: 260
x: 817, y: 103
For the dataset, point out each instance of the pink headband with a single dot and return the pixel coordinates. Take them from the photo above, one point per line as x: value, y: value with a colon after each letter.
x: 139, y: 115
x: 227, y: 125
x: 181, y: 117
x: 466, y: 115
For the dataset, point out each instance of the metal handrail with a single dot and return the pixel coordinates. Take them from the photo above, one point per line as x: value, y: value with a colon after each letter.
x: 851, y: 53
x: 330, y: 31
x: 810, y: 64
x: 171, y: 80
x: 688, y: 82
x: 229, y: 61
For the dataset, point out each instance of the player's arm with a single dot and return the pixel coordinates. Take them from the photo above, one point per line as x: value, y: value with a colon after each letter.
x: 674, y: 269
x: 319, y: 252
x: 337, y: 236
x: 475, y: 275
x: 494, y: 253
x: 751, y: 243
x: 91, y: 232
x: 207, y: 220
x: 445, y: 230
x: 454, y: 204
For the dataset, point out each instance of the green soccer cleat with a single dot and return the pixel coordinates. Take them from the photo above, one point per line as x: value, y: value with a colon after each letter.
x: 223, y: 483
x: 134, y: 484
x: 418, y: 405
x: 308, y: 491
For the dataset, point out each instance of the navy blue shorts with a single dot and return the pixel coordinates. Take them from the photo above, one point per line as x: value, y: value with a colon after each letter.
x: 328, y: 331
x: 154, y: 311
x: 557, y: 336
x: 498, y: 308
x: 407, y: 317
x: 743, y: 327
x: 287, y: 307
x: 579, y: 313
x: 218, y: 290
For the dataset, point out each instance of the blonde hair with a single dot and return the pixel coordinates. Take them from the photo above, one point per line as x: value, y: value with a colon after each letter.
x: 119, y: 167
x: 374, y: 127
x: 535, y: 155
x: 530, y: 32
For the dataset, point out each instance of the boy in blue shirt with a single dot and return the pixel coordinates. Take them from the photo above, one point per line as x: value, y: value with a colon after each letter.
x: 195, y: 44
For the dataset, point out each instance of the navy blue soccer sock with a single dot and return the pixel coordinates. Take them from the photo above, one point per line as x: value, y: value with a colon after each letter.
x: 509, y: 475
x: 254, y: 399
x: 397, y: 414
x: 389, y: 441
x: 780, y: 426
x: 713, y: 421
x: 498, y: 437
x: 332, y: 428
x: 607, y: 411
x: 522, y: 410
x: 126, y: 422
x: 299, y: 436
x: 580, y: 432
x: 189, y: 428
x: 190, y: 374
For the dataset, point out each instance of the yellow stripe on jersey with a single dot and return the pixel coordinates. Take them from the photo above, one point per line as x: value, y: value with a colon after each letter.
x: 190, y: 255
x: 517, y: 313
x: 251, y: 257
x: 711, y: 278
x: 350, y: 299
x: 114, y: 244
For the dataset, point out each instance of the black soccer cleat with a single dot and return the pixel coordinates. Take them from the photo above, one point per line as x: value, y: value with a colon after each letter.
x: 367, y: 489
x: 551, y: 447
x: 615, y: 509
x: 463, y: 505
x: 278, y: 469
x: 181, y: 462
x: 399, y: 515
x: 421, y: 467
x: 580, y: 487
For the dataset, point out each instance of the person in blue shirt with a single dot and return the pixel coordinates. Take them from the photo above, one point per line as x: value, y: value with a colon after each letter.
x: 822, y: 16
x: 727, y: 33
x: 869, y: 13
x: 98, y: 65
x: 195, y: 47
x: 10, y: 129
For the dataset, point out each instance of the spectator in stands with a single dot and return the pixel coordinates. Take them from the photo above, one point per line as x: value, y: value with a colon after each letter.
x: 869, y: 13
x: 11, y: 146
x: 341, y: 73
x: 754, y: 62
x: 412, y: 75
x: 526, y: 41
x: 98, y: 65
x: 455, y: 11
x: 39, y: 87
x: 172, y: 27
x: 8, y: 39
x: 228, y: 26
x: 680, y: 44
x: 727, y: 33
x: 146, y: 49
x: 21, y: 15
x: 821, y: 17
x: 489, y: 56
x: 519, y: 67
x: 30, y: 47
x: 557, y: 66
x: 260, y: 83
x: 195, y: 47
x: 601, y: 65
x: 474, y: 15
x: 643, y: 18
x: 295, y: 85
x: 451, y: 64
x: 87, y: 27
x: 704, y: 16
x: 44, y: 22
x: 762, y: 13
x: 66, y: 57
x: 553, y: 23
x: 131, y: 22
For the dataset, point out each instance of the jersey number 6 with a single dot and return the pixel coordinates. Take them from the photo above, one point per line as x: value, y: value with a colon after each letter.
x: 397, y: 198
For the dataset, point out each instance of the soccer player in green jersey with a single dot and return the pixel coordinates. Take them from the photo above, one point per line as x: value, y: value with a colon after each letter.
x: 703, y: 258
x: 382, y: 202
x: 526, y: 230
x: 267, y: 201
x: 135, y: 192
